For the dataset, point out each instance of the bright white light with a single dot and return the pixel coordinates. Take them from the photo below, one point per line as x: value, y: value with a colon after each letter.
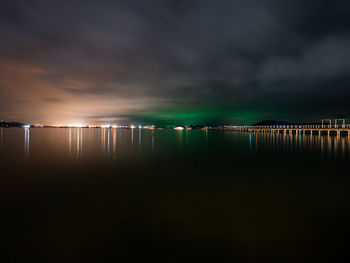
x: 106, y: 126
x: 76, y: 125
x: 140, y: 127
x: 26, y: 126
x: 179, y: 128
x: 132, y: 127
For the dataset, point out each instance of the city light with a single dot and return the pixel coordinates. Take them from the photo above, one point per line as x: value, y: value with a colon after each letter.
x: 76, y: 125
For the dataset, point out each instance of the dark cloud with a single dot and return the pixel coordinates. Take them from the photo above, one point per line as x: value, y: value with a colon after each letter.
x: 132, y: 60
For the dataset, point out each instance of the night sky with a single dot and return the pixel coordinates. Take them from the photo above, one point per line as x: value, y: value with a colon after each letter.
x: 174, y: 62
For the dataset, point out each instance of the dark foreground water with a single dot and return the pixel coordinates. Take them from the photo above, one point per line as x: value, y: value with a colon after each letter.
x: 109, y: 195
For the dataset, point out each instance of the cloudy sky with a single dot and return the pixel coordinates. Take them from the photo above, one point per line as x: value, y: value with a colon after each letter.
x: 174, y: 61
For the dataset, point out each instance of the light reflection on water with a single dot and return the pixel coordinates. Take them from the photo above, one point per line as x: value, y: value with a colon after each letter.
x: 1, y: 136
x: 26, y: 142
x: 251, y: 193
x: 332, y: 146
x: 81, y: 144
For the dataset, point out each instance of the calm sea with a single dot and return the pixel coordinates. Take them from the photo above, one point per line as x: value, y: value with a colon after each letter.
x: 92, y: 195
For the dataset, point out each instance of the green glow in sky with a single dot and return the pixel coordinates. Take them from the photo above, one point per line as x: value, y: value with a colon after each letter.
x: 200, y: 116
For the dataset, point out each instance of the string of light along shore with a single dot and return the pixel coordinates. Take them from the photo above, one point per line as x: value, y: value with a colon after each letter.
x: 337, y: 127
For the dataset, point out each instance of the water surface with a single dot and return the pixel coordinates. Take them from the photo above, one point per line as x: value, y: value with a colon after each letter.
x: 85, y: 195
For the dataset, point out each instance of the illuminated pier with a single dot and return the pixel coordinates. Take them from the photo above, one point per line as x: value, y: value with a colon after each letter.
x: 322, y: 129
x: 325, y: 128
